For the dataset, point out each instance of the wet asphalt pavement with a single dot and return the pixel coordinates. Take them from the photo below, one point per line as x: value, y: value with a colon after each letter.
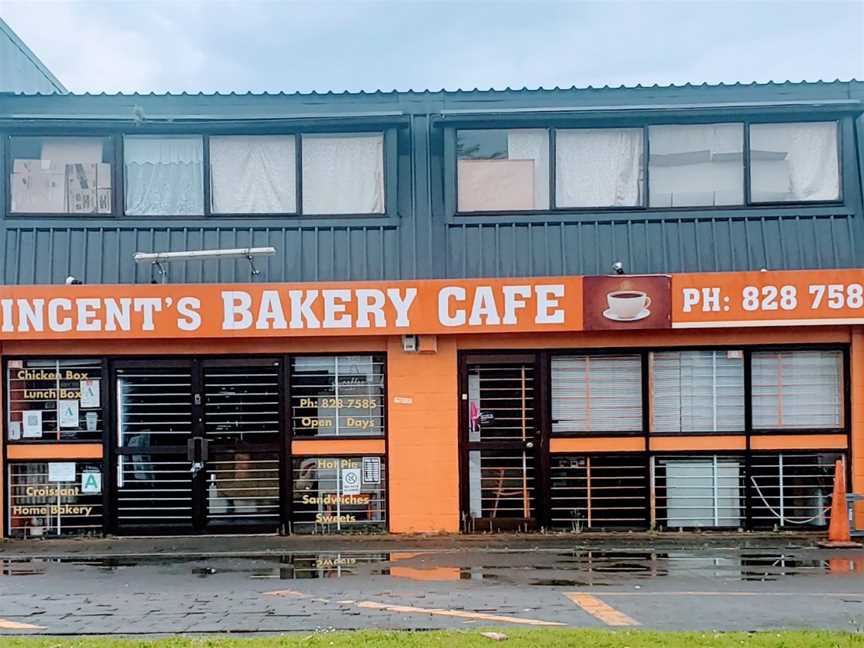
x: 206, y: 585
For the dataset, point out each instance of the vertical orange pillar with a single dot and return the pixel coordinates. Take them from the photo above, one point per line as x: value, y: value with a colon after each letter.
x: 857, y: 396
x: 423, y: 440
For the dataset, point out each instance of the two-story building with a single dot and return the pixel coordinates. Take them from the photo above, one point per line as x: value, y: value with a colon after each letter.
x: 576, y: 309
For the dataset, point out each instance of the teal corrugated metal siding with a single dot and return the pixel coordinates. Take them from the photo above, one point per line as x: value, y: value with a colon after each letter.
x: 420, y: 237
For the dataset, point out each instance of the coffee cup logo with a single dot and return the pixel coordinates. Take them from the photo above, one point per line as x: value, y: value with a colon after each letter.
x: 627, y: 306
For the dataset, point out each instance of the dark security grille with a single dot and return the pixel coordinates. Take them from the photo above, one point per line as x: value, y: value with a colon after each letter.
x: 337, y: 396
x: 154, y: 425
x: 37, y: 390
x: 501, y: 402
x: 502, y: 484
x: 792, y: 490
x: 241, y: 413
x: 501, y: 436
x: 599, y: 491
x: 339, y: 494
x: 699, y: 491
x: 40, y: 507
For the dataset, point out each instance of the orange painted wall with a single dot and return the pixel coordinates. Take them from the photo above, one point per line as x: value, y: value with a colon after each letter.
x: 423, y: 438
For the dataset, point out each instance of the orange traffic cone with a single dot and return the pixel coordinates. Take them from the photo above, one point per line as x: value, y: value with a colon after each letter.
x: 838, y: 527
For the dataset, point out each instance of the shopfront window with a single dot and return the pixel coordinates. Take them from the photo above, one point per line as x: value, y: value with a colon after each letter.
x: 61, y: 175
x: 794, y: 162
x: 164, y: 175
x: 339, y: 494
x: 253, y: 174
x: 697, y: 391
x: 797, y: 389
x: 596, y: 394
x: 54, y: 400
x: 502, y: 170
x: 48, y: 499
x: 343, y: 174
x: 698, y: 165
x: 337, y: 396
x: 599, y: 167
x: 792, y: 490
x: 699, y: 492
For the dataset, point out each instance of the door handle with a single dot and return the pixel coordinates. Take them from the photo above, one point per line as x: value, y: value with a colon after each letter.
x: 530, y: 444
x: 205, y: 449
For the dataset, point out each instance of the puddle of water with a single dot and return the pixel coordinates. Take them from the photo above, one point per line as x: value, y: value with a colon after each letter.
x: 565, y: 569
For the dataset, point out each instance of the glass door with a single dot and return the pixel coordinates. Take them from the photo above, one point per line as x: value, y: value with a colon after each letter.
x: 500, y: 440
x: 198, y: 446
x: 155, y: 444
x: 242, y: 436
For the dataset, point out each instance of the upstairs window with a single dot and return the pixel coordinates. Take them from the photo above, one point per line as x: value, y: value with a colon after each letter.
x: 343, y: 174
x: 164, y: 175
x: 599, y: 167
x: 794, y: 162
x: 696, y: 165
x: 253, y: 174
x: 797, y: 389
x: 61, y: 175
x: 502, y: 170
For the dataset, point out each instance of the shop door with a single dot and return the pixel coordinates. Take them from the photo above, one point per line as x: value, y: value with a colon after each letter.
x: 500, y: 442
x: 197, y: 446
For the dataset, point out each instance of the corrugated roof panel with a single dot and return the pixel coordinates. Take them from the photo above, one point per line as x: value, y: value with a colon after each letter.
x: 21, y: 71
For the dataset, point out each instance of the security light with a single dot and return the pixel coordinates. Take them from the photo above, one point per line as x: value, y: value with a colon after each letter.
x: 157, y: 259
x: 73, y: 281
x: 618, y: 268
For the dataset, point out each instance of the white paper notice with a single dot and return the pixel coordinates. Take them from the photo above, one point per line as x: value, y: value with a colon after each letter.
x: 371, y: 470
x: 89, y: 393
x: 92, y: 419
x: 61, y: 471
x: 32, y: 424
x: 350, y: 481
x: 67, y: 413
x: 14, y: 430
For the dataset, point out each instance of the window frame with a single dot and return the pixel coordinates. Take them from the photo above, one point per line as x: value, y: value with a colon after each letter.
x: 838, y: 133
x: 451, y: 161
x: 388, y: 131
x: 745, y: 366
x: 7, y: 162
x: 747, y: 433
x: 599, y: 353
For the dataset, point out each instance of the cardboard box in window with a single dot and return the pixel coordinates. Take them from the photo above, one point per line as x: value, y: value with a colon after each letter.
x: 495, y: 185
x: 38, y: 187
x: 85, y: 193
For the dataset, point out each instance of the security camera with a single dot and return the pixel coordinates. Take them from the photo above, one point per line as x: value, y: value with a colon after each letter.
x: 618, y: 268
x: 73, y: 281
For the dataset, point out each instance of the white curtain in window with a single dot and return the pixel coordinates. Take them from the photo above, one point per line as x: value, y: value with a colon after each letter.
x: 253, y: 175
x: 797, y: 389
x: 164, y: 176
x: 696, y: 165
x: 792, y: 162
x: 703, y: 492
x: 598, y: 167
x: 343, y: 174
x: 597, y: 393
x: 697, y: 391
x: 532, y: 144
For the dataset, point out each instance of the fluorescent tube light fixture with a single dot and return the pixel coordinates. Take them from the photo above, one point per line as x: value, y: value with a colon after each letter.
x: 157, y: 260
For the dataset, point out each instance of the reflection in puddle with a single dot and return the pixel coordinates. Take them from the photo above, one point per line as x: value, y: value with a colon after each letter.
x: 577, y: 568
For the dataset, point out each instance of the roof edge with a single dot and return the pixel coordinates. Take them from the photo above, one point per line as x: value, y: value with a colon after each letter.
x: 35, y: 60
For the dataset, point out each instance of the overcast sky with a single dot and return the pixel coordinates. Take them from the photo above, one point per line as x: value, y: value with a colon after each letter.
x: 136, y: 45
